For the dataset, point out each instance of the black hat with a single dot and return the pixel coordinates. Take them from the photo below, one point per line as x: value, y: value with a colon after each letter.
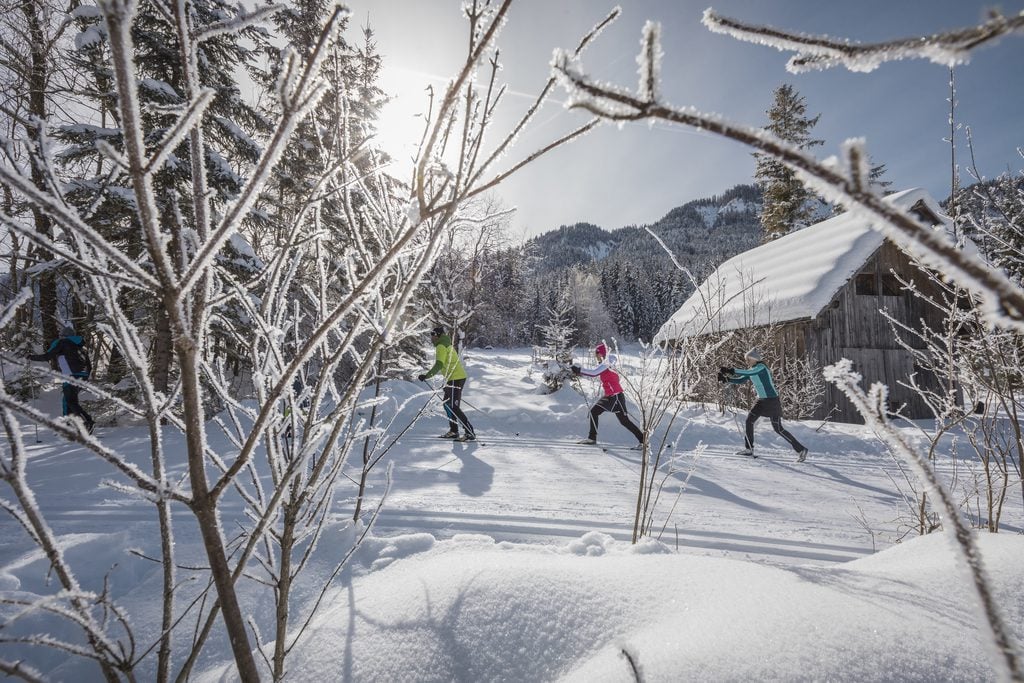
x: 437, y: 331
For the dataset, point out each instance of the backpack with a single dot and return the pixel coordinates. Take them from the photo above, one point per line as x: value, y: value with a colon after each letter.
x: 77, y: 358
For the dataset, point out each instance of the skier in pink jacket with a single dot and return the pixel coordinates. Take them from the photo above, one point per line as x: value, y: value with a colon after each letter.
x: 613, y: 399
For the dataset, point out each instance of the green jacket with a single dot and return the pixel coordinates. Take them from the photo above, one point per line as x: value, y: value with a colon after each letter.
x: 446, y: 360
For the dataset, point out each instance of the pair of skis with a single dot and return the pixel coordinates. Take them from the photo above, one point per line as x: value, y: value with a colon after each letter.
x: 459, y: 439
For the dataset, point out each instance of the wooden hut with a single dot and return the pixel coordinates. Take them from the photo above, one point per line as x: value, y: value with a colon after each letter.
x: 822, y: 290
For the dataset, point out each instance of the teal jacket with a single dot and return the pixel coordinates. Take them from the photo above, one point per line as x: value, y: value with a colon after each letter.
x: 760, y: 376
x: 447, y: 360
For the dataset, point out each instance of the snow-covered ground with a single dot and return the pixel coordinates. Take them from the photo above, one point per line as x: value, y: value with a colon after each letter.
x: 509, y: 559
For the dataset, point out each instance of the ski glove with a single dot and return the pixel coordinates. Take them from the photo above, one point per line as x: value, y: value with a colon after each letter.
x: 722, y: 370
x: 422, y: 378
x: 575, y: 369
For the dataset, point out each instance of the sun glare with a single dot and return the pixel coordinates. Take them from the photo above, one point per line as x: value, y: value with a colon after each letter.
x: 401, y: 122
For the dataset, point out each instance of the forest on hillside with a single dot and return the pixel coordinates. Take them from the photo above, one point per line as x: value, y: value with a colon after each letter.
x: 625, y: 284
x: 611, y: 284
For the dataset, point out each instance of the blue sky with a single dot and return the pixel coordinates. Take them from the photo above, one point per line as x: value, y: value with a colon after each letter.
x: 637, y: 173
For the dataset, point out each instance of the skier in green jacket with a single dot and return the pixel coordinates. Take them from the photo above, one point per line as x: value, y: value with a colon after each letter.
x: 448, y: 365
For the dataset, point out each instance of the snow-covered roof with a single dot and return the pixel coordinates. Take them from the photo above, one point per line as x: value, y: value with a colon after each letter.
x: 791, y: 278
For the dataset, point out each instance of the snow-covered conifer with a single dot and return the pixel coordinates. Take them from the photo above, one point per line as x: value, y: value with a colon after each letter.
x: 560, y: 329
x: 787, y: 202
x: 36, y: 80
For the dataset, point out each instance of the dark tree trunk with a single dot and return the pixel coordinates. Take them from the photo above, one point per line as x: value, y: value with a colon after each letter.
x: 163, y: 352
x: 37, y: 87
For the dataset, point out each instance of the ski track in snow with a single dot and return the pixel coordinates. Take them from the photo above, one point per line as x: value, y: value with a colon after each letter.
x: 471, y: 467
x: 526, y: 480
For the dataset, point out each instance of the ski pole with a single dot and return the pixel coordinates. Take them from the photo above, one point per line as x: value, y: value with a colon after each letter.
x: 827, y: 417
x: 735, y: 420
x: 34, y: 423
x: 578, y: 386
x: 463, y: 402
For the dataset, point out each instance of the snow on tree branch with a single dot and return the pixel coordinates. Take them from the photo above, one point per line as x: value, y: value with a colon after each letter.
x: 427, y: 158
x: 649, y: 61
x: 297, y: 103
x: 541, y: 99
x: 1003, y: 299
x: 72, y: 430
x: 21, y: 670
x: 822, y: 52
x: 84, y: 384
x: 70, y: 221
x: 110, y: 654
x: 242, y: 20
x: 188, y: 120
x: 872, y: 406
x: 11, y: 307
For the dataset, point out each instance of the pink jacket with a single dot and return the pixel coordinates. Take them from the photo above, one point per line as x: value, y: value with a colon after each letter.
x: 609, y: 378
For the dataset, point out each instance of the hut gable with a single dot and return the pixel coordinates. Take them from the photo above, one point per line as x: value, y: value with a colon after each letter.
x: 792, y: 278
x: 820, y: 291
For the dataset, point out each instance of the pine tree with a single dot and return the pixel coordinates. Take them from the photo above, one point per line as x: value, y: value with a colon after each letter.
x: 556, y: 339
x: 875, y: 176
x: 101, y: 189
x: 504, y: 314
x: 35, y: 82
x: 558, y: 332
x: 786, y: 201
x: 343, y: 121
x: 1000, y: 220
x: 880, y: 184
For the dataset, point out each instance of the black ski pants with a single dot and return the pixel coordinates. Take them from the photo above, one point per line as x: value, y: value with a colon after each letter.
x: 613, y: 404
x: 71, y: 406
x: 772, y: 409
x: 453, y: 406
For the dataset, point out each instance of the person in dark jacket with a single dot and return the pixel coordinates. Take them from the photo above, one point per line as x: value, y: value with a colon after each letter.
x: 69, y: 353
x: 767, y: 405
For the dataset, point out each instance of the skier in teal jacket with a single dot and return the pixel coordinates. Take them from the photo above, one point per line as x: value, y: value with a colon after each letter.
x: 767, y: 405
x: 69, y: 353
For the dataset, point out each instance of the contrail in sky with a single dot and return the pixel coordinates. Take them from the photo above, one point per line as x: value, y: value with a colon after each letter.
x: 526, y: 96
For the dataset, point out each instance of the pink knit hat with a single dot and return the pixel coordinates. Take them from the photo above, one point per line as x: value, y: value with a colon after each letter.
x: 601, y: 349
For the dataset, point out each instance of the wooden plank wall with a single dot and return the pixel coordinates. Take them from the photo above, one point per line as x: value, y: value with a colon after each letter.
x: 852, y: 327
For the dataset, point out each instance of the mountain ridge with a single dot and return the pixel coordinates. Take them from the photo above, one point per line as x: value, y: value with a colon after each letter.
x: 707, y: 228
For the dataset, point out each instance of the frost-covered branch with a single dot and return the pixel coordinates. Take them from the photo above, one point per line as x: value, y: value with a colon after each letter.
x: 296, y: 106
x: 243, y: 19
x: 822, y: 52
x: 542, y: 97
x: 72, y: 430
x: 119, y: 15
x: 873, y: 407
x: 188, y: 120
x: 21, y: 670
x: 110, y: 654
x: 348, y: 555
x: 71, y: 222
x: 836, y: 182
x: 11, y: 307
x: 309, y: 346
x: 448, y: 102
